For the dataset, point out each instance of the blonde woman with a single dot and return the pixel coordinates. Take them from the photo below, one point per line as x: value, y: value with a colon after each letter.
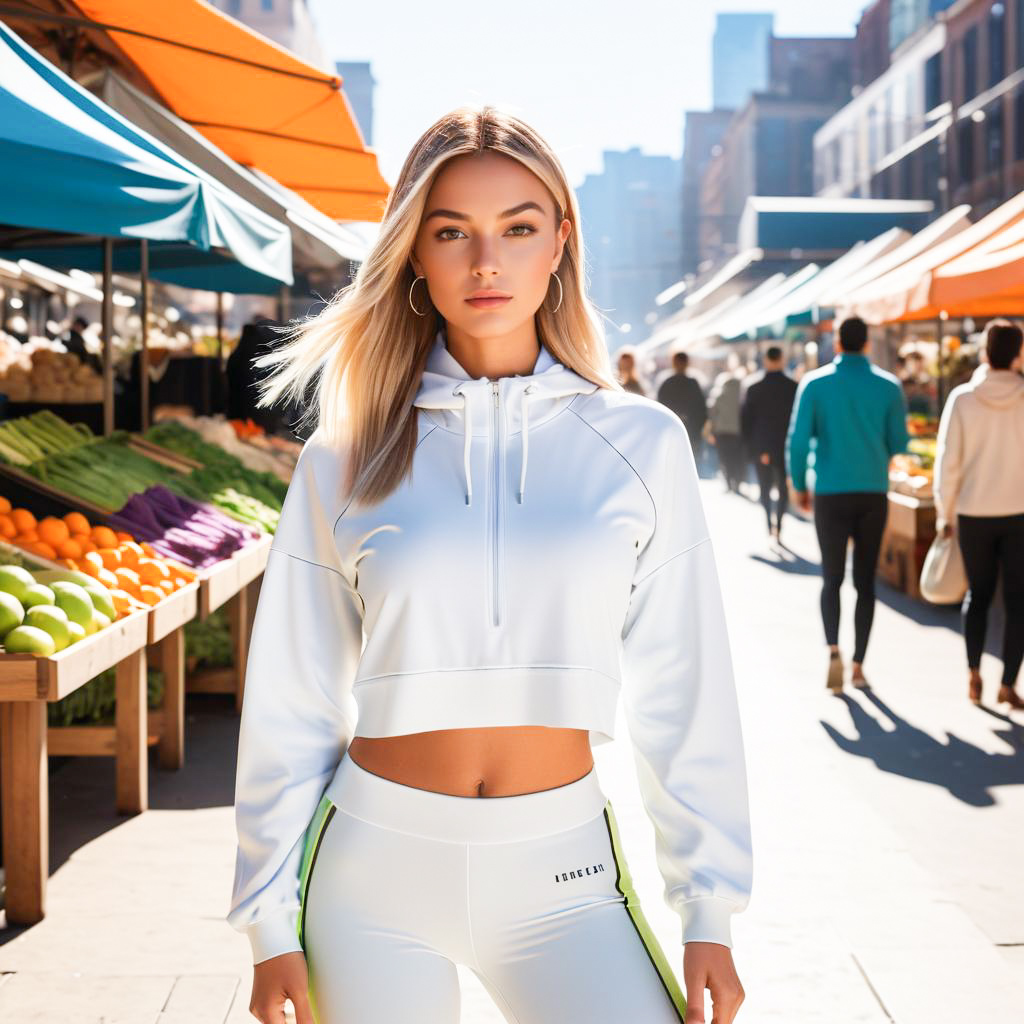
x: 484, y: 541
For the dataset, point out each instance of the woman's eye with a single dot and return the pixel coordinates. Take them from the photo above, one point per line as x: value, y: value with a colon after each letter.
x: 528, y: 229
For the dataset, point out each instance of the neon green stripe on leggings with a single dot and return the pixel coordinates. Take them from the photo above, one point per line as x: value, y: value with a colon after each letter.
x: 314, y: 835
x: 624, y: 883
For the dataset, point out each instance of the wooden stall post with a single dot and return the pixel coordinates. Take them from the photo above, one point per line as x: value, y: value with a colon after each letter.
x: 108, y: 340
x: 24, y: 772
x: 132, y: 734
x: 171, y: 750
x: 144, y: 354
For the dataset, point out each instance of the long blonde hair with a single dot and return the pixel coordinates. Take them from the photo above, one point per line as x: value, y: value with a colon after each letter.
x: 363, y: 354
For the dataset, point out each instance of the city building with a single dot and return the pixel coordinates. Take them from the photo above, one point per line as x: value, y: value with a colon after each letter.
x: 702, y: 139
x: 885, y: 142
x: 768, y: 147
x: 739, y: 58
x: 871, y: 44
x: 631, y: 220
x: 358, y: 82
x: 287, y: 22
x: 945, y: 120
x: 984, y: 80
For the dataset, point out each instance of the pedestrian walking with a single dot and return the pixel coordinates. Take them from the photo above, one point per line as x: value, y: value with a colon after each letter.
x: 767, y: 404
x: 682, y: 393
x: 485, y: 539
x: 725, y: 426
x: 979, y: 498
x: 853, y: 415
x: 628, y: 374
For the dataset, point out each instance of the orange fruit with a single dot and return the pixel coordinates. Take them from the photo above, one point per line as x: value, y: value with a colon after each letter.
x: 68, y: 563
x: 91, y: 563
x: 5, y: 506
x: 70, y: 549
x: 87, y: 544
x: 128, y: 579
x: 37, y: 547
x: 124, y: 537
x: 26, y: 538
x: 167, y: 586
x: 151, y: 595
x: 130, y: 553
x: 107, y: 578
x: 111, y: 557
x: 77, y: 523
x: 104, y: 537
x: 53, y: 531
x: 23, y: 520
x: 152, y: 571
x: 7, y: 527
x: 122, y: 601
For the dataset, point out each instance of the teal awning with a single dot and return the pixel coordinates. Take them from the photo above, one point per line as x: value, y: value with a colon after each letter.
x: 69, y: 164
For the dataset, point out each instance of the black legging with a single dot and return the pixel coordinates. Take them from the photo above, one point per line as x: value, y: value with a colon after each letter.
x: 989, y: 543
x: 730, y: 457
x: 773, y: 472
x: 838, y: 517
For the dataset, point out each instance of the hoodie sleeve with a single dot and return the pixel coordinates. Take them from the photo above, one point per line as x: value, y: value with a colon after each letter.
x: 680, y: 704
x: 896, y: 423
x: 798, y: 437
x: 948, y: 463
x: 298, y: 714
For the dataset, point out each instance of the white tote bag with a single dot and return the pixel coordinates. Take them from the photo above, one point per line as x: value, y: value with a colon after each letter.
x: 943, y: 577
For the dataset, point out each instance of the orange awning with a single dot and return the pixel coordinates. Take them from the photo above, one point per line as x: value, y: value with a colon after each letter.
x: 910, y: 292
x: 993, y: 271
x: 257, y: 101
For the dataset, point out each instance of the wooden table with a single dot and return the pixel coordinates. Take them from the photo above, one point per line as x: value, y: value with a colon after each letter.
x: 27, y: 684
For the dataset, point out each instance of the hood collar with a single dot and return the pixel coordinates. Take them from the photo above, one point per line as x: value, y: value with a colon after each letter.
x: 465, y: 403
x: 997, y: 388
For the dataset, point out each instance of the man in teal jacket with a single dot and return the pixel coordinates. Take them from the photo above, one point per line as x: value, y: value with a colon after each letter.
x: 853, y: 417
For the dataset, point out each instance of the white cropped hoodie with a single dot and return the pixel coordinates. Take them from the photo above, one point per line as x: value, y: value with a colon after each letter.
x: 549, y: 551
x: 978, y: 468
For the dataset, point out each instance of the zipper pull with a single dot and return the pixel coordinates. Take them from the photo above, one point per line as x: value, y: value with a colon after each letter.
x: 494, y: 391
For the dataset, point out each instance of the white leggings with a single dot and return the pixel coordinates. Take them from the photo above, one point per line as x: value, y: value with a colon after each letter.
x: 531, y: 892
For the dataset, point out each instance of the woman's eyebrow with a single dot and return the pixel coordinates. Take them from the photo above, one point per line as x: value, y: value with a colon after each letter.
x: 453, y: 215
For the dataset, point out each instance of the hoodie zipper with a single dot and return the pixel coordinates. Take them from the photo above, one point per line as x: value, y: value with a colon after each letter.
x: 495, y: 457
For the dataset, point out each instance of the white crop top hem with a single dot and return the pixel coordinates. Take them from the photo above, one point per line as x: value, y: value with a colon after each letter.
x: 547, y: 556
x: 561, y: 697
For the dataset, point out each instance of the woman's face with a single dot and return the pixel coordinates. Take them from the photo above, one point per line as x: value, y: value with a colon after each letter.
x: 488, y: 225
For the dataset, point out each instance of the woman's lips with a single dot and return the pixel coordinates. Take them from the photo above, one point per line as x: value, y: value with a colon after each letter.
x: 490, y: 303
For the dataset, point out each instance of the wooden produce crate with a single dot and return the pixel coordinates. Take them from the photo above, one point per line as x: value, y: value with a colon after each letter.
x: 27, y: 684
x: 910, y: 517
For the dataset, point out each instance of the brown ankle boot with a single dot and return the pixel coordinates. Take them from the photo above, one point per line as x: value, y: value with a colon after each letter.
x: 1007, y: 695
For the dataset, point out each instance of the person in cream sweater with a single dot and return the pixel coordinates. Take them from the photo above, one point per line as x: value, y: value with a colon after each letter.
x: 979, y: 498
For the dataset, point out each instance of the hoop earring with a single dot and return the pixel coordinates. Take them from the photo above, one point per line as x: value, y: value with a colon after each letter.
x: 413, y: 285
x: 560, y: 292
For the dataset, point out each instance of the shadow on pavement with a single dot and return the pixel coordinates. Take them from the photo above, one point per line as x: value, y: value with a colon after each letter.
x: 967, y: 772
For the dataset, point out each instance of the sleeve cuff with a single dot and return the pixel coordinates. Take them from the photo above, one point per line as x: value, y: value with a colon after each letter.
x: 707, y: 919
x: 275, y: 934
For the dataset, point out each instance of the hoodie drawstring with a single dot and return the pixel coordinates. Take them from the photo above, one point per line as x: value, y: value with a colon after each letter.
x: 467, y: 439
x: 528, y: 392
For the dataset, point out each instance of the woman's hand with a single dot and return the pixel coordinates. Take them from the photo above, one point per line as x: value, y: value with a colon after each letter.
x: 275, y: 980
x: 709, y: 965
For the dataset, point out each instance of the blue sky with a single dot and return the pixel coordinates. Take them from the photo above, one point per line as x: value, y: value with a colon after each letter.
x: 584, y: 74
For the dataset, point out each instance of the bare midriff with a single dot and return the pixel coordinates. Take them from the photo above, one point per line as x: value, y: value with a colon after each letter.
x: 491, y: 761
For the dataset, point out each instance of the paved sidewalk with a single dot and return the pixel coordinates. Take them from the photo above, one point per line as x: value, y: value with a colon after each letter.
x: 887, y: 830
